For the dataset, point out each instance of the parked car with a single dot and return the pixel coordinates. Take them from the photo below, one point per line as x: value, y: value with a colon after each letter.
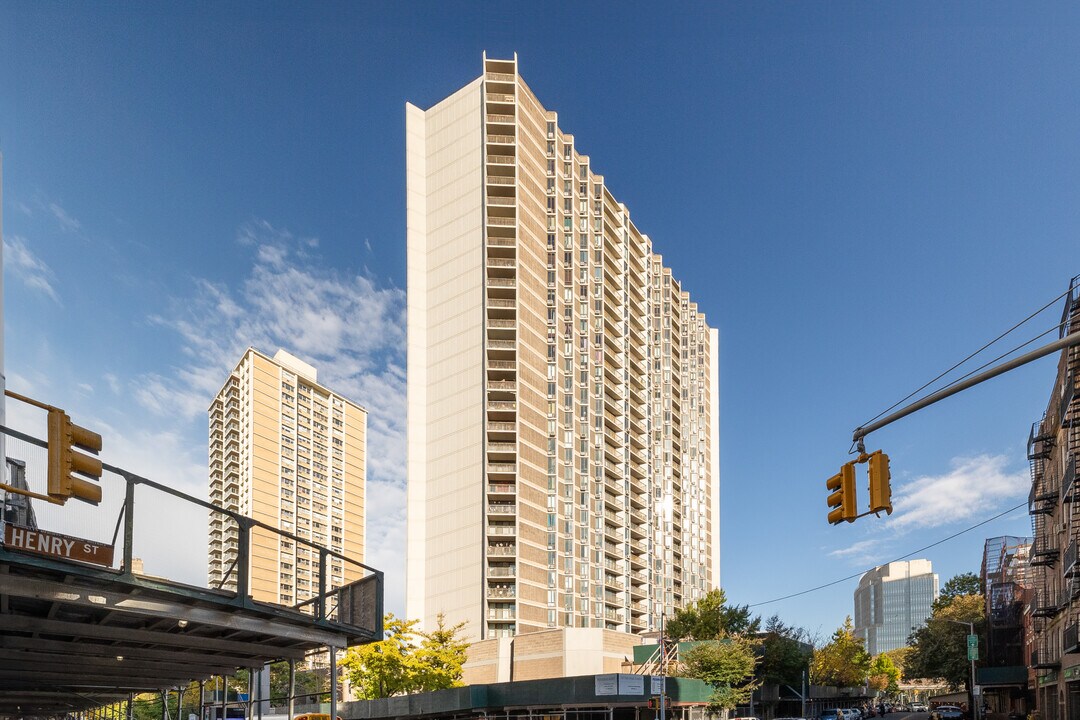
x: 832, y: 714
x: 947, y: 712
x: 919, y: 707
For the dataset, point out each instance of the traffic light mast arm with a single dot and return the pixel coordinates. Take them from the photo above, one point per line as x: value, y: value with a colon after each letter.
x: 1068, y: 341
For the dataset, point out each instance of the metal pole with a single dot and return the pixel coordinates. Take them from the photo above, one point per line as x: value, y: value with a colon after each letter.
x: 1065, y: 342
x: 802, y: 712
x: 333, y: 680
x: 292, y: 688
x: 180, y: 703
x: 224, y: 698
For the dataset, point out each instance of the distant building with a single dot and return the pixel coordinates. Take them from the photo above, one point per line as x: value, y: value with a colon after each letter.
x: 563, y: 399
x: 290, y: 453
x: 892, y: 601
x: 1053, y: 445
x: 17, y: 509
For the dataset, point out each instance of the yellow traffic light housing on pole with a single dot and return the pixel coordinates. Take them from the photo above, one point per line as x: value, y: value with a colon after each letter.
x: 880, y: 489
x: 842, y: 497
x: 66, y: 440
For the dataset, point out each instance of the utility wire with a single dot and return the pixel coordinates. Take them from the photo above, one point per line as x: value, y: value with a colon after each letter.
x: 984, y: 347
x: 902, y: 557
x: 999, y: 357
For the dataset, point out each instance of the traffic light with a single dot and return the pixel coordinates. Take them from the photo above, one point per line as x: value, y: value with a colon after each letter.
x: 880, y: 491
x: 842, y: 497
x: 654, y: 703
x: 66, y: 440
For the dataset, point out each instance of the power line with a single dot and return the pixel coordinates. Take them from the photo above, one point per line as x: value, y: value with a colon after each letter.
x: 902, y: 557
x: 984, y: 347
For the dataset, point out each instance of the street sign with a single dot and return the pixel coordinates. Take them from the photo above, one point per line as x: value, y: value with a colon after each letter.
x: 973, y: 647
x: 64, y: 547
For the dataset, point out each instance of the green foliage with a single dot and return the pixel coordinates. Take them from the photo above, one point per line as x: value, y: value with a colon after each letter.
x: 397, y: 665
x: 308, y: 683
x: 784, y: 653
x: 727, y: 664
x: 939, y: 649
x: 843, y: 662
x: 710, y: 618
x: 884, y: 675
x: 957, y: 586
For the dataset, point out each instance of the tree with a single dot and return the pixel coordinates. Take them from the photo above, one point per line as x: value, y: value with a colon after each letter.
x: 396, y: 665
x: 957, y: 586
x: 939, y: 648
x: 309, y: 683
x: 784, y: 652
x: 727, y: 664
x: 884, y: 675
x: 440, y: 657
x: 843, y: 661
x: 710, y: 618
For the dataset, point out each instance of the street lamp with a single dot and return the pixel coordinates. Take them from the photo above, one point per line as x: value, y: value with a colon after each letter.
x: 971, y: 694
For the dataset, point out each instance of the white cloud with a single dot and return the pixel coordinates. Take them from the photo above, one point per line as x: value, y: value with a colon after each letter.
x: 349, y: 328
x: 31, y: 270
x: 113, y: 382
x: 860, y: 553
x: 972, y: 489
x: 67, y: 222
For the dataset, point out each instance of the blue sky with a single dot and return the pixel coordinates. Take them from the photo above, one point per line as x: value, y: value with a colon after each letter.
x: 857, y: 194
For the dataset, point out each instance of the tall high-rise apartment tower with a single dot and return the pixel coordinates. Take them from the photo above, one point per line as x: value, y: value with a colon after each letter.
x: 289, y: 452
x: 563, y: 421
x: 892, y: 601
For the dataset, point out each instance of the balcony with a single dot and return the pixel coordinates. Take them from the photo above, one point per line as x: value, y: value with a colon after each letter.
x: 1043, y: 660
x: 1040, y: 441
x: 1068, y: 480
x: 501, y: 159
x: 1038, y: 502
x: 1043, y: 606
x: 1070, y: 639
x: 499, y: 592
x: 502, y: 550
x: 502, y: 571
x: 1068, y: 562
x: 1044, y: 551
x: 502, y: 530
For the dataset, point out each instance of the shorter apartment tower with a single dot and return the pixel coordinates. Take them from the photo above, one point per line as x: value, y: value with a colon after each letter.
x: 290, y: 453
x: 892, y: 601
x: 1053, y: 445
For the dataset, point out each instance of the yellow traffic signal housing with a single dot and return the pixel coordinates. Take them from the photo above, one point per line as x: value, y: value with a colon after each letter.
x: 842, y: 497
x: 880, y: 490
x: 66, y: 440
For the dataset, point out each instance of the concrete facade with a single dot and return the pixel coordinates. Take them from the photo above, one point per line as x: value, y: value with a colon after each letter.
x: 290, y: 453
x: 563, y: 429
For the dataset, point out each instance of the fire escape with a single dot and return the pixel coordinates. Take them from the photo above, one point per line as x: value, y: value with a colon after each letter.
x: 1061, y: 426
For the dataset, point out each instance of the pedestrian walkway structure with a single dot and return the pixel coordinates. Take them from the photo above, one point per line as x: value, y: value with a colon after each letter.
x: 76, y: 634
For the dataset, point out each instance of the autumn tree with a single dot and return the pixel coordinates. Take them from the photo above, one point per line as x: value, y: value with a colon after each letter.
x: 843, y: 661
x: 939, y: 648
x: 884, y: 675
x: 727, y: 664
x: 710, y: 618
x: 399, y: 665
